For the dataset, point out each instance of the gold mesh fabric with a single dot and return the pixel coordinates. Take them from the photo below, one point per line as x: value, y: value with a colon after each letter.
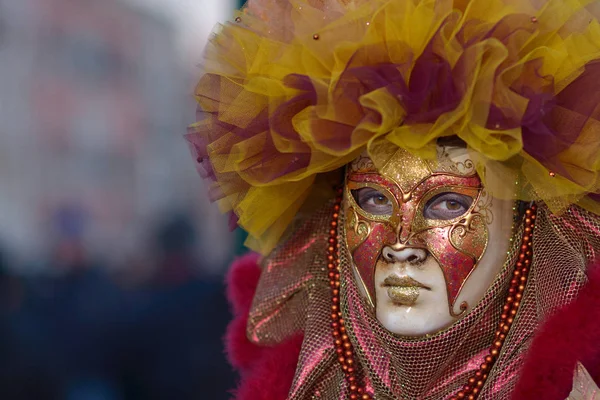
x: 293, y: 295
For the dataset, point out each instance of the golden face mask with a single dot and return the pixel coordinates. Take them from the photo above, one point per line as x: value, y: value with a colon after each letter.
x: 410, y: 202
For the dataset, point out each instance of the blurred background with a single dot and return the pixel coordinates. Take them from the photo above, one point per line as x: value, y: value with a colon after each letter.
x: 111, y: 257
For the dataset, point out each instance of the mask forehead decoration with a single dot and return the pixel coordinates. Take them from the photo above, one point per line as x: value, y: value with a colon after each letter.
x: 399, y: 200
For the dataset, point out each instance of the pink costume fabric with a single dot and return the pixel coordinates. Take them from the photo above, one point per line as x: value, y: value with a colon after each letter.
x: 570, y: 335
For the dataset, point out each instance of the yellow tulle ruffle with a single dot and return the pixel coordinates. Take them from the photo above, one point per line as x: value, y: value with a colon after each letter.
x: 293, y: 89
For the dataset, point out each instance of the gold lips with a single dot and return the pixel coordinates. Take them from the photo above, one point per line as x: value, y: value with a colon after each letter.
x: 403, y: 290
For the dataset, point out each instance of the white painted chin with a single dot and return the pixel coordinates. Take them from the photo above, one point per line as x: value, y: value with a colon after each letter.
x: 428, y: 313
x: 405, y: 308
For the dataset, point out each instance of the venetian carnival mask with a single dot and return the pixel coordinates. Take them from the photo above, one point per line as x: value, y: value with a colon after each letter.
x: 426, y: 238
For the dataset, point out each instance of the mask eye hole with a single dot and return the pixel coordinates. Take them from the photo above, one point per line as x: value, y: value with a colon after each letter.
x: 446, y: 206
x: 372, y: 201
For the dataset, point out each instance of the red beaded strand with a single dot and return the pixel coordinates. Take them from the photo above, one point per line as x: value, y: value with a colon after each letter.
x: 343, y: 347
x: 513, y: 300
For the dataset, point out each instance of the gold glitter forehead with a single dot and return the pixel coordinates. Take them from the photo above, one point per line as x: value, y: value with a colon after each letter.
x: 404, y: 168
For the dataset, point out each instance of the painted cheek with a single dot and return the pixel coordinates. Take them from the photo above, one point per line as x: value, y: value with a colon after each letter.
x: 455, y: 265
x: 472, y: 241
x: 458, y: 250
x: 366, y: 254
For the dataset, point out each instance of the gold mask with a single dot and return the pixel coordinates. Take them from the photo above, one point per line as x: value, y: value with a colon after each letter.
x: 413, y: 203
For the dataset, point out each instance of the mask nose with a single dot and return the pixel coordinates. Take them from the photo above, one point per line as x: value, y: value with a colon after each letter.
x: 406, y: 255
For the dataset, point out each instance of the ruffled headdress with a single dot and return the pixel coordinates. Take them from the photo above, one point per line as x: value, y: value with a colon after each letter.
x: 294, y: 89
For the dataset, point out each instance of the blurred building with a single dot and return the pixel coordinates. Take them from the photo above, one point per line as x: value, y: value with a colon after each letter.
x: 93, y: 104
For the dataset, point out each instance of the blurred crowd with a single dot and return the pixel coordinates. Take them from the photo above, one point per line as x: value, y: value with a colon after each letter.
x: 112, y: 260
x: 79, y: 332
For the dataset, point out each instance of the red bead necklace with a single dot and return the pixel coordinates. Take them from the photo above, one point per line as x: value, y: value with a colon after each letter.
x: 343, y: 347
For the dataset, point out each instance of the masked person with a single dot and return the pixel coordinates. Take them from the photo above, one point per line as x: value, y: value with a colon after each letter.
x: 421, y: 179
